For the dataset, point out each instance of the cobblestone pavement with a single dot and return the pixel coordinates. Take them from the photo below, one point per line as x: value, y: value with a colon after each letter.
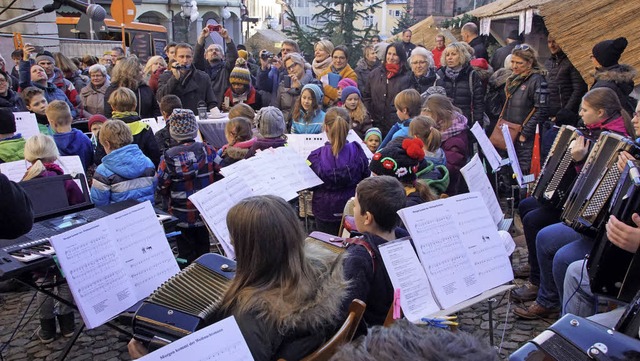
x: 103, y: 343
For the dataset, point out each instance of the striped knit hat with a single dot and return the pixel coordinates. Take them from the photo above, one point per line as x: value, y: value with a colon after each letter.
x: 240, y: 74
x: 183, y: 125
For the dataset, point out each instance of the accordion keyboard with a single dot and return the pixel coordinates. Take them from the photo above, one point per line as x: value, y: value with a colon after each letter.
x: 557, y: 176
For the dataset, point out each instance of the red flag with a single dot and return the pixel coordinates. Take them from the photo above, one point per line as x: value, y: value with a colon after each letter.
x: 535, y: 157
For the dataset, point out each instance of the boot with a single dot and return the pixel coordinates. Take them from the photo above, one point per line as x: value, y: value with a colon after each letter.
x: 47, y: 332
x: 67, y: 324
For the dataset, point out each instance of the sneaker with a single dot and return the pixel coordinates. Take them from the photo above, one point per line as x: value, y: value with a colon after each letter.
x: 535, y: 311
x: 47, y: 331
x: 67, y: 324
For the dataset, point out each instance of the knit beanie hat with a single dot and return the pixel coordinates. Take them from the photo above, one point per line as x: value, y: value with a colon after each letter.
x: 270, y: 122
x: 514, y: 35
x: 240, y: 74
x: 373, y: 131
x: 243, y: 54
x: 7, y: 121
x: 45, y: 55
x: 317, y: 91
x: 183, y: 125
x: 348, y: 91
x: 608, y: 52
x: 343, y: 83
x: 96, y: 118
x: 381, y: 50
x: 479, y: 63
x: 400, y: 159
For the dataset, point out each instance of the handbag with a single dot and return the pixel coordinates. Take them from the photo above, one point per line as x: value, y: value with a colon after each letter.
x: 496, y: 138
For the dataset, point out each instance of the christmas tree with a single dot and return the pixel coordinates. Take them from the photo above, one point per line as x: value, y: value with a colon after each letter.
x: 406, y: 20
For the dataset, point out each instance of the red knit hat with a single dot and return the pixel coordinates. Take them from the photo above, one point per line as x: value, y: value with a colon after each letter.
x: 96, y: 118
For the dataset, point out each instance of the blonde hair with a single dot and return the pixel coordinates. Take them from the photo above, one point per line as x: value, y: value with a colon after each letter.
x: 326, y: 45
x: 461, y: 48
x: 151, y: 61
x: 408, y: 99
x: 336, y: 122
x: 116, y: 133
x: 39, y: 149
x: 359, y: 114
x: 58, y: 113
x: 127, y: 73
x: 123, y: 100
x: 527, y: 53
x: 424, y: 128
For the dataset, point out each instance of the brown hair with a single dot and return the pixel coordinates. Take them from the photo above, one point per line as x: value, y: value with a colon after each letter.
x: 123, y: 100
x: 382, y: 196
x: 297, y: 107
x: 58, y: 113
x: 170, y: 102
x: 239, y: 128
x: 606, y: 99
x: 424, y: 127
x: 29, y: 93
x: 242, y: 110
x: 126, y: 73
x: 408, y: 99
x: 442, y: 111
x: 527, y: 53
x: 65, y: 64
x: 336, y: 123
x: 116, y: 132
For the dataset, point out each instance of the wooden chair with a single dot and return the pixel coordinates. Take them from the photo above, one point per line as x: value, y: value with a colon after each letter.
x: 347, y: 212
x: 344, y: 334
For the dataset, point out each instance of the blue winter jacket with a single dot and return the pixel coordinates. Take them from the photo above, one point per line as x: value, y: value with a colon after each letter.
x: 399, y: 129
x: 77, y: 143
x: 125, y: 173
x: 299, y: 126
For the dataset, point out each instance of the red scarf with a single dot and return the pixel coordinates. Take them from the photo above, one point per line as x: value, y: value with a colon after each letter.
x: 392, y: 69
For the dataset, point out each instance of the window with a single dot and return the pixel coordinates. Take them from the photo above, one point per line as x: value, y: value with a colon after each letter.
x: 438, y: 6
x: 397, y: 13
x: 368, y: 21
x: 391, y: 12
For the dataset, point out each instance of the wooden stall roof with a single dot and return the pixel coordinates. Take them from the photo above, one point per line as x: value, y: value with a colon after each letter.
x: 505, y: 8
x: 425, y: 31
x: 578, y: 25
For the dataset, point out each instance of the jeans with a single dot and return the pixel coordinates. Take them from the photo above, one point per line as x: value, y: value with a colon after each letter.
x: 557, y: 245
x: 535, y: 217
x: 577, y: 297
x: 47, y: 310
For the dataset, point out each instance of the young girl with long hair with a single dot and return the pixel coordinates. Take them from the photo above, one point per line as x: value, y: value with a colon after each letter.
x: 433, y: 170
x: 239, y: 140
x: 341, y: 165
x: 352, y: 102
x: 307, y: 112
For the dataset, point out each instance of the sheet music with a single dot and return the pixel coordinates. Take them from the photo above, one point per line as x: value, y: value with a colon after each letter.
x: 161, y: 122
x: 214, y: 203
x: 353, y: 137
x: 406, y: 273
x: 153, y: 124
x: 304, y: 144
x: 488, y: 149
x: 513, y: 156
x: 222, y: 341
x: 70, y: 164
x: 458, y: 246
x: 104, y: 274
x: 26, y: 124
x: 477, y: 181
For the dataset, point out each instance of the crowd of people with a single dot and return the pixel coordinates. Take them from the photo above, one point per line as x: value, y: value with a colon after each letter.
x: 412, y: 107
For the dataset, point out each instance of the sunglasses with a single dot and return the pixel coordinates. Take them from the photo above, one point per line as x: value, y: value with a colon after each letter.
x: 522, y: 47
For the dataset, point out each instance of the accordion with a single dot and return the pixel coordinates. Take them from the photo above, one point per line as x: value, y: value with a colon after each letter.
x: 576, y: 338
x: 184, y: 303
x: 585, y: 208
x: 559, y: 172
x: 613, y: 271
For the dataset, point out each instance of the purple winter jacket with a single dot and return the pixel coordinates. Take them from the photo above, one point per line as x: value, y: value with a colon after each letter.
x: 74, y: 194
x: 340, y: 175
x: 455, y: 145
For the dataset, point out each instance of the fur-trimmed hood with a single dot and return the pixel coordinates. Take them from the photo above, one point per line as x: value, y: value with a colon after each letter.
x: 619, y: 73
x: 313, y: 308
x: 499, y: 78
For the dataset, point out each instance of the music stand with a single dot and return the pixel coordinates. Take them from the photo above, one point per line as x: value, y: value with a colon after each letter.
x: 49, y: 197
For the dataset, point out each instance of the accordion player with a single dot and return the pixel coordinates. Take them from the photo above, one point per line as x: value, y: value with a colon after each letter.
x: 182, y: 305
x: 559, y: 172
x: 585, y: 207
x: 615, y: 272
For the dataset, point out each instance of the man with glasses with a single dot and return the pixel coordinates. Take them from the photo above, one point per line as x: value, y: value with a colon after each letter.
x: 272, y: 70
x: 214, y: 62
x: 438, y: 49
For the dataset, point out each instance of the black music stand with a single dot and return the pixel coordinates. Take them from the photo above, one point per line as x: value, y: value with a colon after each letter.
x: 49, y: 197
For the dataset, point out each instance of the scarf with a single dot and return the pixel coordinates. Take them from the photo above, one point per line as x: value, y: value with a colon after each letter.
x: 122, y: 115
x: 459, y: 124
x: 214, y: 69
x: 392, y: 69
x: 452, y: 73
x: 614, y: 123
x: 320, y: 67
x: 514, y: 82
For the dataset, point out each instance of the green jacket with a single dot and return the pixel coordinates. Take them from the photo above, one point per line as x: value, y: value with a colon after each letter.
x: 11, y: 149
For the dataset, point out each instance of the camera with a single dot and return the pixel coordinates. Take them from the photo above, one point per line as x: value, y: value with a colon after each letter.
x: 266, y: 55
x: 216, y: 27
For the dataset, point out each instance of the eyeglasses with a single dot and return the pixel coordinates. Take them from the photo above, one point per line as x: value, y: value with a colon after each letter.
x: 522, y: 47
x: 292, y: 66
x: 419, y: 62
x: 635, y: 114
x: 3, y: 81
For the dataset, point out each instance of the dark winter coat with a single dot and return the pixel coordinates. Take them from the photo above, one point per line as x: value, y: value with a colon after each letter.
x: 565, y: 84
x: 372, y: 287
x: 340, y: 175
x: 455, y: 149
x: 479, y: 50
x: 499, y: 56
x: 12, y: 101
x: 619, y: 78
x: 466, y: 95
x: 218, y: 74
x: 77, y: 143
x: 379, y: 94
x: 192, y: 88
x: 421, y: 84
x: 147, y: 103
x: 363, y: 69
x: 285, y: 98
x: 16, y: 212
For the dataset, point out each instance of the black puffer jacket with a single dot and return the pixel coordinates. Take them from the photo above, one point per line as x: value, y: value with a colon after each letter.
x: 12, y: 101
x: 460, y: 92
x: 378, y: 96
x: 422, y: 83
x: 566, y: 86
x: 521, y: 103
x: 618, y: 77
x: 147, y: 104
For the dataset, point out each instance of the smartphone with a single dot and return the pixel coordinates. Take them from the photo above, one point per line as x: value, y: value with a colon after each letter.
x: 287, y: 81
x: 216, y: 27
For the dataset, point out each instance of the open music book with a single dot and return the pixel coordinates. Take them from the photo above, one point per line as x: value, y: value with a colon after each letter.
x: 304, y: 144
x: 114, y: 262
x: 459, y: 250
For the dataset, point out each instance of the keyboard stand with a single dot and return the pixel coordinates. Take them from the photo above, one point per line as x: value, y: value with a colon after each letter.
x: 80, y: 328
